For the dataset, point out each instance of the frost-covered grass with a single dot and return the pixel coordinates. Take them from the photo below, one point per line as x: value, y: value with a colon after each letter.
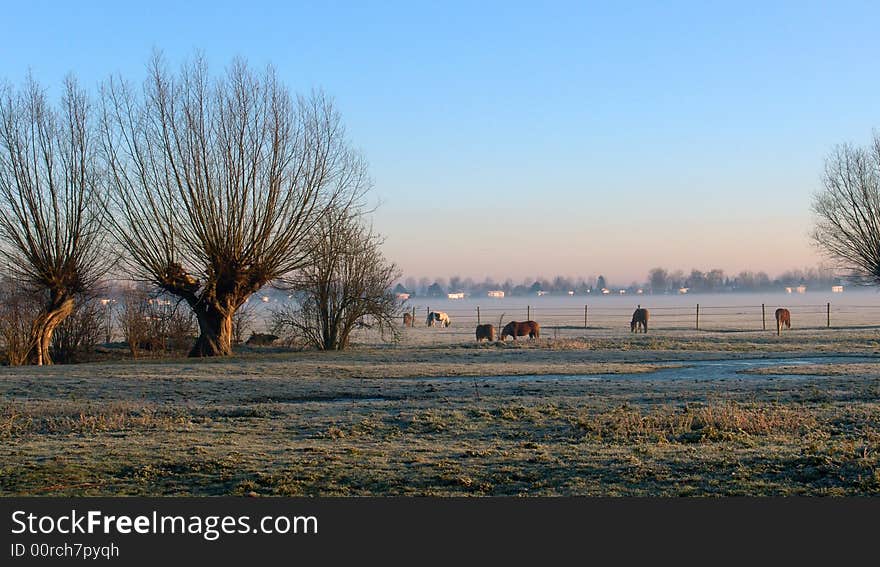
x: 354, y: 423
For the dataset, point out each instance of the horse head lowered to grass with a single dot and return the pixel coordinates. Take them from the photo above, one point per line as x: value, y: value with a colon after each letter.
x: 438, y: 318
x: 783, y: 317
x: 520, y: 329
x: 639, y: 320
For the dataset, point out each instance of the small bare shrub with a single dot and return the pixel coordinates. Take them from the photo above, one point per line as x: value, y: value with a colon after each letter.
x: 242, y: 322
x: 153, y: 323
x: 18, y: 312
x: 135, y: 320
x: 179, y: 329
x: 79, y: 333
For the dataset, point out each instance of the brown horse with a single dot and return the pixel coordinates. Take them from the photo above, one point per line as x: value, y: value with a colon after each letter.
x: 408, y: 320
x: 640, y: 320
x: 783, y: 317
x: 516, y: 329
x: 486, y: 332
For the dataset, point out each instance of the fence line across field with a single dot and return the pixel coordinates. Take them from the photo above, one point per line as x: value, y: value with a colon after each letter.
x: 697, y: 316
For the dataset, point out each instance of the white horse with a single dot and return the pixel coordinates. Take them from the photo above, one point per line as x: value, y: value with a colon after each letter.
x: 435, y: 317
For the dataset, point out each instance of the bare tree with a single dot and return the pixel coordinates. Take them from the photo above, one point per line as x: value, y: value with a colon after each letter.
x: 217, y: 183
x: 848, y: 211
x: 50, y: 206
x: 347, y: 281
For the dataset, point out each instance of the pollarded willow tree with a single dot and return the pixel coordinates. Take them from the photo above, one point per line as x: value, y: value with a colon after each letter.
x: 50, y: 204
x: 217, y: 183
x: 847, y: 211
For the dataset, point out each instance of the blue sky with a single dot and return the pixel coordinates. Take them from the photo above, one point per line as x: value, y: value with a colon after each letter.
x: 514, y: 139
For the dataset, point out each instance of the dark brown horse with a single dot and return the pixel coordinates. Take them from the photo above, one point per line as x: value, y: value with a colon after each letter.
x: 486, y: 332
x: 408, y: 320
x: 783, y: 317
x: 261, y: 339
x: 520, y: 329
x: 639, y: 320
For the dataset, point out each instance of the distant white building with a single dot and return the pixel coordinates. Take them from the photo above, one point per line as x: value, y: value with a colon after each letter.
x: 496, y: 293
x: 837, y: 289
x: 571, y: 292
x: 683, y: 290
x: 402, y: 296
x: 801, y: 289
x: 457, y: 295
x: 605, y: 291
x: 541, y: 292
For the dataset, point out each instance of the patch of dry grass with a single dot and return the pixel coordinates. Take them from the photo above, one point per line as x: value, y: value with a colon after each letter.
x: 703, y: 423
x: 17, y: 420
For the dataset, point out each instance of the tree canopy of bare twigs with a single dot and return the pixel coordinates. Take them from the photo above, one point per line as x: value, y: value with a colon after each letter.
x: 216, y: 183
x: 50, y: 203
x: 18, y: 312
x: 848, y: 211
x: 347, y: 282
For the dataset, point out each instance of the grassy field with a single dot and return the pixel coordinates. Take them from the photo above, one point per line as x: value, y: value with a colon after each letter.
x: 380, y: 420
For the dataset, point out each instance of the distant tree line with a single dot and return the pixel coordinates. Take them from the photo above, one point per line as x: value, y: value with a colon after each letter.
x: 659, y: 281
x: 425, y: 287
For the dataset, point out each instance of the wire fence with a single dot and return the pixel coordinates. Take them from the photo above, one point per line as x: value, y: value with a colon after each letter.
x: 693, y: 317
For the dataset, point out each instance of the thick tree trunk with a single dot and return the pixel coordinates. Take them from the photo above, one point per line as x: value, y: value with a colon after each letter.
x: 41, y: 334
x: 215, y: 327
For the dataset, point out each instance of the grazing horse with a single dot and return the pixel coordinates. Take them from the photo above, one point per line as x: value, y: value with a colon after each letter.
x: 783, y: 317
x: 435, y: 317
x: 516, y: 329
x: 408, y: 320
x: 486, y: 331
x: 639, y: 320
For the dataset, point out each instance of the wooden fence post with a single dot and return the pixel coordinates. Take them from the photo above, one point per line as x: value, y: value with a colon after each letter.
x: 828, y: 315
x: 478, y: 314
x: 528, y: 312
x: 585, y: 316
x: 698, y: 316
x: 763, y: 318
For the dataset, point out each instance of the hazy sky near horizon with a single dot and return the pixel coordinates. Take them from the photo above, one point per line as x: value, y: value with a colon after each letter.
x: 514, y: 139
